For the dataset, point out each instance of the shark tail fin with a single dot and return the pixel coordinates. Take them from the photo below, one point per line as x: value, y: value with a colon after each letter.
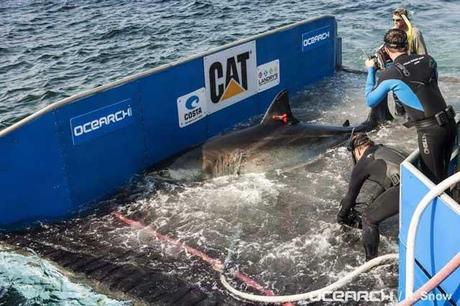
x: 279, y: 110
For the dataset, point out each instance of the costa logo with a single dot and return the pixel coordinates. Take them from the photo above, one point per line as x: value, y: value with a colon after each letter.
x: 191, y: 107
x: 192, y: 102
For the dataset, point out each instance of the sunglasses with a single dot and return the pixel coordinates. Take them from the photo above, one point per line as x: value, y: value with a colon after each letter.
x: 397, y: 20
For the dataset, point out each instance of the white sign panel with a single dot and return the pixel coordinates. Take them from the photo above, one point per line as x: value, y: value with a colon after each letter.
x: 191, y: 107
x: 230, y: 76
x: 268, y: 75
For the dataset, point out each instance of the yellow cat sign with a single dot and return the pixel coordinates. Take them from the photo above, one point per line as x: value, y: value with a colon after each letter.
x: 230, y: 76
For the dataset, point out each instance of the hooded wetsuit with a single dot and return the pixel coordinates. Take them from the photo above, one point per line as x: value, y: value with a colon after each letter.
x: 418, y: 43
x: 414, y: 80
x: 379, y: 164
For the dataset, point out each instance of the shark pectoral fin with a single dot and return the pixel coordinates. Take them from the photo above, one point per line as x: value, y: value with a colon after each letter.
x: 279, y: 111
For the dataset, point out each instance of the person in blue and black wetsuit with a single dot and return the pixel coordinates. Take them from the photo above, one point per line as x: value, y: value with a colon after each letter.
x: 415, y: 42
x: 378, y: 164
x: 414, y: 80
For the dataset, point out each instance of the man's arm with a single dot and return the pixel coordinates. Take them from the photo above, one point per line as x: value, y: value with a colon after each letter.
x: 374, y: 95
x: 388, y: 81
x: 358, y: 176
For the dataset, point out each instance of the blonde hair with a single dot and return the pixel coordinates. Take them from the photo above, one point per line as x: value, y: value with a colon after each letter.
x: 401, y: 11
x: 404, y: 14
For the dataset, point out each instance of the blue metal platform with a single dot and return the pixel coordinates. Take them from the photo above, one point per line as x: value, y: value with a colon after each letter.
x: 437, y: 239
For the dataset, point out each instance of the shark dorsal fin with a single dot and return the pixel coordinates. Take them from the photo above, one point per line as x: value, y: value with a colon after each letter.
x: 279, y: 108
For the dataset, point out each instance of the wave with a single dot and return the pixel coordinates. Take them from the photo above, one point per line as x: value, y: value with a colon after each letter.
x: 22, y: 64
x: 126, y: 30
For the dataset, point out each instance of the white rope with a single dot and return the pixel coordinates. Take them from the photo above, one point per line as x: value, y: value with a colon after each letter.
x: 313, y: 294
x: 424, y: 203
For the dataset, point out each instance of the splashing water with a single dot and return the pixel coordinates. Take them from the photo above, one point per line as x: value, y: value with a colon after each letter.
x: 28, y: 279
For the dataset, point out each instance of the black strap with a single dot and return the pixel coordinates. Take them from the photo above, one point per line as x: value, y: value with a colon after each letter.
x: 405, y: 73
x: 395, y: 179
x: 402, y: 69
x: 439, y: 119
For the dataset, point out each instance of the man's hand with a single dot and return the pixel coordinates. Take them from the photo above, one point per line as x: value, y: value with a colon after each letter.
x: 342, y: 215
x: 370, y: 63
x: 351, y: 218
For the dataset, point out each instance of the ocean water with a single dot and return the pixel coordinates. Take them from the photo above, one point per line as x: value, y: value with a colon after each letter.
x: 289, y: 239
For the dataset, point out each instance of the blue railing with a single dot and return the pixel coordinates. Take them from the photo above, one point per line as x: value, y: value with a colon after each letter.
x: 437, y: 239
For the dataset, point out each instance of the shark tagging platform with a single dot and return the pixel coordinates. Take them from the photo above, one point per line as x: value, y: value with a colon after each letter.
x: 81, y: 151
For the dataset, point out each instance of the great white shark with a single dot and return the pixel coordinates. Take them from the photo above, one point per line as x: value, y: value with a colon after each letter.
x: 278, y: 128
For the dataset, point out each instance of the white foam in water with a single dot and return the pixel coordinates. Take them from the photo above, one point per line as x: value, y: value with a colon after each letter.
x: 295, y: 251
x: 206, y: 214
x: 39, y: 282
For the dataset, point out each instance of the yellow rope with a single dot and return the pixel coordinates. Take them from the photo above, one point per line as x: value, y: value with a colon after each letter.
x: 409, y: 32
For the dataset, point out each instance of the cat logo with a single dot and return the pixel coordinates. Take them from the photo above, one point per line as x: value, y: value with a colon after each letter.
x: 230, y: 76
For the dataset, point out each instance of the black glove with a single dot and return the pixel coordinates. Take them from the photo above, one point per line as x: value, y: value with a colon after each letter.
x: 342, y: 216
x: 351, y: 218
x: 354, y: 219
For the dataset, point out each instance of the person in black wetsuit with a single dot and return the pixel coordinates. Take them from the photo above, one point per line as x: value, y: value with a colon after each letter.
x: 379, y: 164
x: 414, y: 80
